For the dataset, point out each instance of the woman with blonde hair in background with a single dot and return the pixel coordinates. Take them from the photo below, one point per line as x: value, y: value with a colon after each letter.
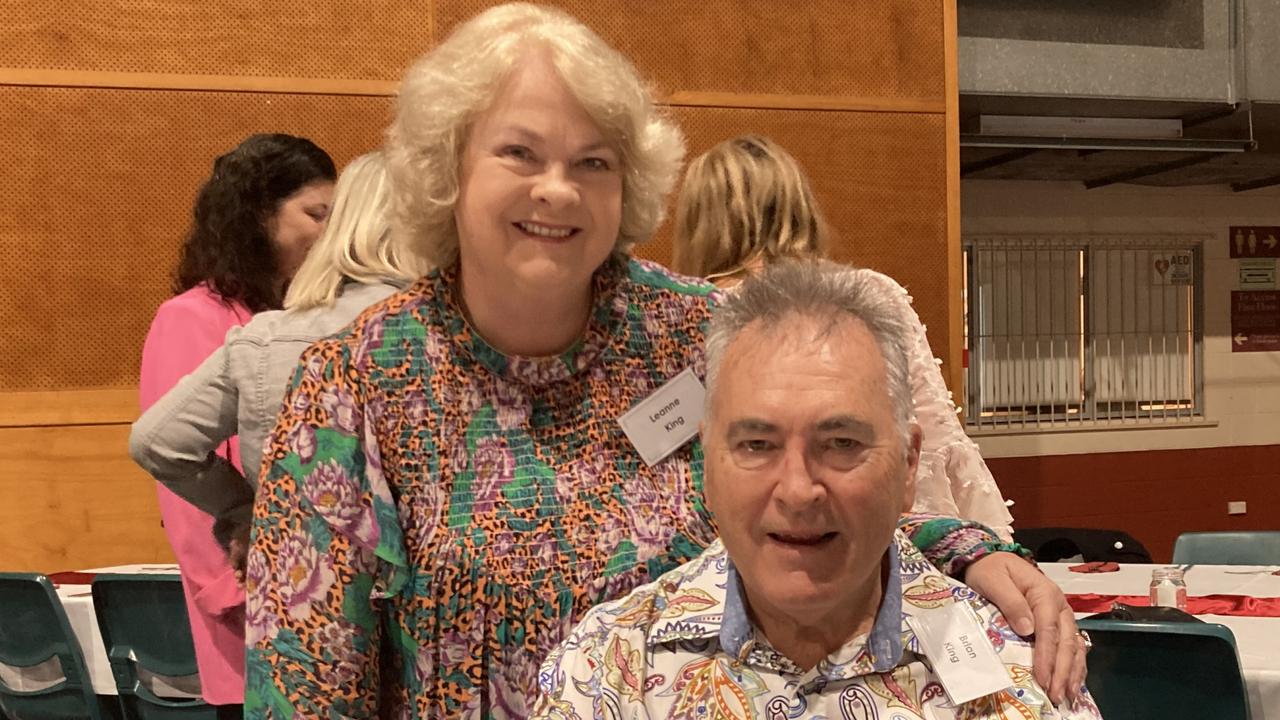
x: 237, y: 390
x: 746, y: 203
x: 448, y: 488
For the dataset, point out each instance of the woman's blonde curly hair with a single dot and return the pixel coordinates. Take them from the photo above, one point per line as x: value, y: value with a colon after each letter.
x: 443, y: 92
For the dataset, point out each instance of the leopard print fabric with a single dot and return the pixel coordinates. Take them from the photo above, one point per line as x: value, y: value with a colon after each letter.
x: 435, y: 516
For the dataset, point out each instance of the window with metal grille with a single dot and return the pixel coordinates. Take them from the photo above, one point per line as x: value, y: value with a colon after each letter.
x: 1097, y: 331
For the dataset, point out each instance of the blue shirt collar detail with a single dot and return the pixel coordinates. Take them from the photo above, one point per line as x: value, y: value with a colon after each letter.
x: 884, y: 643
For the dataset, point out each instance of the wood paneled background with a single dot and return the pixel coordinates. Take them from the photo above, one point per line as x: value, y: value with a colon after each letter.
x: 114, y: 111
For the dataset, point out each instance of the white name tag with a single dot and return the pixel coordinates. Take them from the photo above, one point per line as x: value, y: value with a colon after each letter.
x: 963, y: 659
x: 665, y: 420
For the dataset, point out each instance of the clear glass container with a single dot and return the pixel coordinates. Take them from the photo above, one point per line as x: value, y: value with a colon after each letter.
x: 1168, y: 588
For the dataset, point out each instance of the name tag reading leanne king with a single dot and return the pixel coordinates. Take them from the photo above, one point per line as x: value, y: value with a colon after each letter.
x: 665, y: 420
x: 962, y: 657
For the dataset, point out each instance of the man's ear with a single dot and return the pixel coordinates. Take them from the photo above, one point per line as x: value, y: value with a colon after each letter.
x: 914, y: 438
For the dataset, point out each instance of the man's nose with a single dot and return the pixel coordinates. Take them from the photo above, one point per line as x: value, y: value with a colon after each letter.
x: 798, y: 488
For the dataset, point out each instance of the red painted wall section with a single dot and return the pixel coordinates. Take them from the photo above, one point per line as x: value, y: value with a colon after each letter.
x: 1152, y: 495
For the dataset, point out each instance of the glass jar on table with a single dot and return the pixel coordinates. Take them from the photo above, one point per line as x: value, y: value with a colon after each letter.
x: 1168, y: 588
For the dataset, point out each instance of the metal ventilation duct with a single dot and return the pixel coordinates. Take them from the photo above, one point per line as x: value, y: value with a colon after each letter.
x: 1180, y: 50
x: 1206, y: 66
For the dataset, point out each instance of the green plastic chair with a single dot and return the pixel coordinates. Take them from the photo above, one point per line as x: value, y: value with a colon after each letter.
x: 1261, y: 547
x: 33, y: 629
x: 145, y: 627
x: 1149, y: 670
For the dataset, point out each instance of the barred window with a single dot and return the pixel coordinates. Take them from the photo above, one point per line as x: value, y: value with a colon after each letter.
x: 1064, y: 331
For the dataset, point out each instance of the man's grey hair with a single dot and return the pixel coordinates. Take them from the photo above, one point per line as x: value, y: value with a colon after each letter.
x: 828, y: 293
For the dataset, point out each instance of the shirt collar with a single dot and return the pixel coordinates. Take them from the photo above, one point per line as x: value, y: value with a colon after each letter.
x: 735, y: 628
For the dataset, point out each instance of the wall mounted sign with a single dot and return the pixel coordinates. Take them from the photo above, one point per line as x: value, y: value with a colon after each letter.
x: 1258, y: 274
x: 1254, y: 241
x: 1172, y: 268
x: 1255, y: 320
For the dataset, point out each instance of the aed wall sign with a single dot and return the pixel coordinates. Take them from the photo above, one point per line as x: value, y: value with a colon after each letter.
x: 1172, y: 268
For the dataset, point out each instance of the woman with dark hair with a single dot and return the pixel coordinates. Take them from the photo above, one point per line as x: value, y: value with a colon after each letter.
x: 254, y: 220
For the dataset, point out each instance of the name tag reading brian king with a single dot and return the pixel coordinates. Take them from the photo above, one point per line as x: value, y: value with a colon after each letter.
x: 665, y: 420
x: 956, y: 643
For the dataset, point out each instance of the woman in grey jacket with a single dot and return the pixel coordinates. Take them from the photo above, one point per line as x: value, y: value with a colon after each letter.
x: 238, y: 389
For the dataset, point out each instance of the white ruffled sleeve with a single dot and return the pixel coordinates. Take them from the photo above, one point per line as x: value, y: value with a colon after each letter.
x: 952, y: 479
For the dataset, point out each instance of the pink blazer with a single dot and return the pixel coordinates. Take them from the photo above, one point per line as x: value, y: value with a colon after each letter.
x: 186, y: 330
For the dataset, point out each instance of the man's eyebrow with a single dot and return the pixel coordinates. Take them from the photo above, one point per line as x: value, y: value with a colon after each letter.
x: 751, y: 425
x: 845, y: 422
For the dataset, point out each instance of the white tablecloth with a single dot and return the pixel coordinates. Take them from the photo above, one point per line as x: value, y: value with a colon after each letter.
x: 77, y: 600
x: 1258, y: 638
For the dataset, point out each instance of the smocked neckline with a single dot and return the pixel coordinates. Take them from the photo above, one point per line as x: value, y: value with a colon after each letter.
x: 606, y: 316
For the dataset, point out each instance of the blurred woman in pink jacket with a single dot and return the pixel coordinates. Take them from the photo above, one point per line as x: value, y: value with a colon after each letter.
x: 254, y: 220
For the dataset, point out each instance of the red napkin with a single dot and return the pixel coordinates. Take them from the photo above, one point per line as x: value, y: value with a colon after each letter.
x: 1095, y: 567
x: 72, y: 577
x: 1242, y: 605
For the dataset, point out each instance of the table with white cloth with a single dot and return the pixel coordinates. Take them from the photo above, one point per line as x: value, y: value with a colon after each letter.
x: 1258, y: 638
x: 77, y: 601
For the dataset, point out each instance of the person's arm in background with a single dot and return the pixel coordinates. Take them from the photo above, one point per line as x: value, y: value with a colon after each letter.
x: 184, y: 333
x: 952, y: 480
x: 177, y: 439
x: 1005, y: 574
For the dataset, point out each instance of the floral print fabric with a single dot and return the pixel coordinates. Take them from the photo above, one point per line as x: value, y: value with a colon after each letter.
x: 435, y: 515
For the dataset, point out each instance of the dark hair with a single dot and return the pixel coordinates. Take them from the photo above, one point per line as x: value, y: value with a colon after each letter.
x: 228, y: 246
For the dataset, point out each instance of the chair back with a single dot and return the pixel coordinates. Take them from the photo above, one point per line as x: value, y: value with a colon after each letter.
x: 147, y: 633
x: 1052, y: 544
x: 1148, y: 670
x: 46, y: 677
x: 1259, y: 547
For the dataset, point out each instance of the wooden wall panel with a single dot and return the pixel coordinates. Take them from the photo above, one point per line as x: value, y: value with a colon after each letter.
x: 860, y: 48
x: 94, y: 200
x: 881, y: 179
x: 107, y: 406
x: 74, y: 500
x: 126, y: 104
x: 289, y: 38
x: 953, y: 369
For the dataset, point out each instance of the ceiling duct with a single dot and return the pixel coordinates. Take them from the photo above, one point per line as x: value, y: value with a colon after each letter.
x: 1177, y: 50
x: 1106, y: 91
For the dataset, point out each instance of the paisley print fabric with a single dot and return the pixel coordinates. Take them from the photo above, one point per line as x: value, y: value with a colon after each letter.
x: 666, y: 650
